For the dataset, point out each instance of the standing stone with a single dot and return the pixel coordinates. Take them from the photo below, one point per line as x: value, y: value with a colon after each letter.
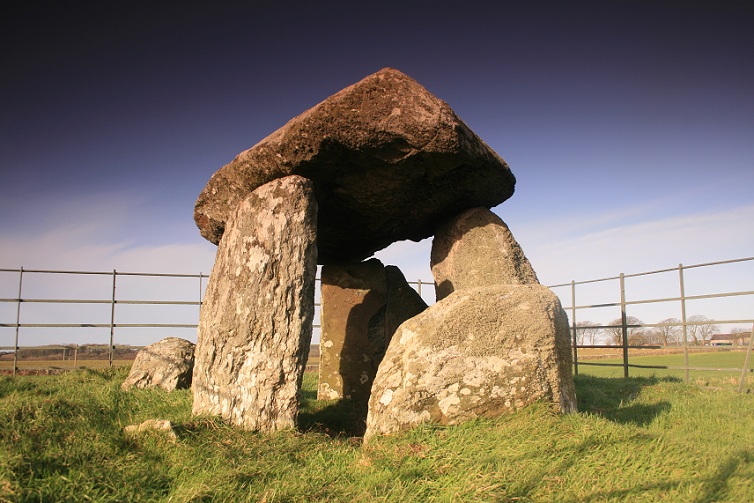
x: 362, y: 306
x: 474, y: 249
x: 480, y: 352
x: 167, y: 364
x: 403, y: 303
x: 352, y: 294
x: 256, y: 321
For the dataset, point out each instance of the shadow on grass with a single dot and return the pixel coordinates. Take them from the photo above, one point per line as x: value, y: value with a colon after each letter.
x: 612, y: 398
x: 336, y: 418
x: 717, y: 486
x: 608, y: 397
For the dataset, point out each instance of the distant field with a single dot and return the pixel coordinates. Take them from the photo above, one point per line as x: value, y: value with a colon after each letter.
x: 29, y: 364
x: 7, y: 365
x: 610, y: 363
x: 31, y: 358
x: 720, y: 361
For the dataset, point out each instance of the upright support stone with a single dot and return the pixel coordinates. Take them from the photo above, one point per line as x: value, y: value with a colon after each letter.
x: 362, y: 306
x: 475, y: 249
x: 256, y: 321
x: 480, y: 352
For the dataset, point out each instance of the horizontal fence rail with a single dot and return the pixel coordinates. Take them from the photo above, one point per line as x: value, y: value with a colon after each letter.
x: 684, y: 322
x: 112, y: 300
x: 625, y: 326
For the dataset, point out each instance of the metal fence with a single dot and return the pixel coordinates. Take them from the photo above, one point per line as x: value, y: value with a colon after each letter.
x: 107, y: 293
x: 111, y: 297
x: 108, y: 299
x: 680, y: 298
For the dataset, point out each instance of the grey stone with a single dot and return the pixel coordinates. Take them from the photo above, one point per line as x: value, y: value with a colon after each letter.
x: 362, y: 306
x: 479, y: 352
x: 388, y: 160
x: 162, y: 426
x: 474, y: 249
x: 256, y: 321
x: 167, y: 364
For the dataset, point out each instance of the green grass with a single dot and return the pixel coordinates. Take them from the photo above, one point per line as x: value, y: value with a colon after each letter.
x: 636, y: 439
x: 715, y: 360
x: 24, y: 364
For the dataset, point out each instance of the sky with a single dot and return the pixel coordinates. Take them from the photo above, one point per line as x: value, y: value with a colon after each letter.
x: 628, y: 124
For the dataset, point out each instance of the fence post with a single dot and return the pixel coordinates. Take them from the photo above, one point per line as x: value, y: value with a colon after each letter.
x: 18, y: 320
x: 200, y: 294
x: 419, y: 287
x: 575, y: 334
x: 624, y: 323
x: 683, y: 322
x: 742, y: 384
x: 112, y: 324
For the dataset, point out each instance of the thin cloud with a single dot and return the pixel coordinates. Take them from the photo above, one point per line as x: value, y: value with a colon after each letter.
x: 99, y: 232
x: 646, y: 245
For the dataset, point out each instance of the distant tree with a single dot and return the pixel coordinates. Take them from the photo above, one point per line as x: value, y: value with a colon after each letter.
x: 639, y: 338
x: 669, y: 331
x: 653, y: 336
x: 635, y: 334
x: 700, y: 328
x: 742, y: 335
x: 586, y: 332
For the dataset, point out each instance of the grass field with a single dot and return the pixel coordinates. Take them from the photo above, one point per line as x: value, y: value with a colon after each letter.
x: 24, y: 364
x: 718, y: 360
x: 606, y: 367
x: 636, y: 439
x: 63, y: 364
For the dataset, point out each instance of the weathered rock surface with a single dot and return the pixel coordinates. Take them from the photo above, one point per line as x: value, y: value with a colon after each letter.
x: 256, y: 321
x: 388, y: 161
x: 162, y: 426
x: 362, y: 306
x: 167, y: 364
x: 480, y: 352
x: 474, y: 249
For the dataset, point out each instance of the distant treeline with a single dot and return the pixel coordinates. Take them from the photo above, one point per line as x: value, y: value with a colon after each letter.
x: 85, y: 351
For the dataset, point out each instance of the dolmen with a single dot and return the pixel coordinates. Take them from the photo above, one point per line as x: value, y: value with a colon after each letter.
x: 381, y: 161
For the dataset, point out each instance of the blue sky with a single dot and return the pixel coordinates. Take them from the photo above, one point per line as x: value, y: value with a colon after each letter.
x: 629, y: 124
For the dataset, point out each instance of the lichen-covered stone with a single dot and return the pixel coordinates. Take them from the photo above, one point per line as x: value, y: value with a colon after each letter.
x: 256, y: 320
x: 162, y: 426
x: 362, y: 306
x: 388, y: 160
x: 474, y: 249
x: 167, y: 364
x: 480, y: 352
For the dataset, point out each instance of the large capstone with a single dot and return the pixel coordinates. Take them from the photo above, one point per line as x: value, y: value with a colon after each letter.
x: 256, y: 320
x: 167, y: 364
x: 388, y: 160
x: 474, y: 249
x: 362, y: 306
x: 479, y: 352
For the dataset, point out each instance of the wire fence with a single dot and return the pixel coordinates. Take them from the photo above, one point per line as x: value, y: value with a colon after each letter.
x: 107, y: 303
x: 104, y: 300
x: 38, y: 308
x: 695, y: 325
